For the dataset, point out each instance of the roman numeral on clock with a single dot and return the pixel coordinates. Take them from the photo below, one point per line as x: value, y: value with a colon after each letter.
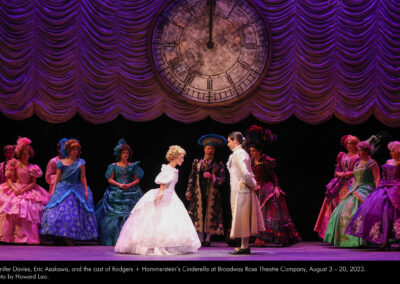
x: 174, y: 63
x: 228, y: 77
x: 245, y: 65
x: 209, y: 84
x: 244, y: 26
x: 190, y: 77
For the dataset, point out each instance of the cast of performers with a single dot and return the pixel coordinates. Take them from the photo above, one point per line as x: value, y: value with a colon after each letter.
x: 22, y: 201
x: 51, y: 169
x: 366, y: 178
x: 203, y: 191
x: 247, y: 219
x: 378, y: 218
x: 9, y: 152
x: 70, y: 215
x: 279, y: 227
x: 339, y: 186
x: 159, y: 223
x: 121, y: 194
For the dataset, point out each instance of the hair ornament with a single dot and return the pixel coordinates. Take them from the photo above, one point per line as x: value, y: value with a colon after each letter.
x: 259, y: 137
x: 376, y: 140
x: 118, y: 147
x: 21, y: 142
x: 63, y: 151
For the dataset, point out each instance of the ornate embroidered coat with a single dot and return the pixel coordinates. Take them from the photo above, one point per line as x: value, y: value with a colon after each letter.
x: 205, y: 204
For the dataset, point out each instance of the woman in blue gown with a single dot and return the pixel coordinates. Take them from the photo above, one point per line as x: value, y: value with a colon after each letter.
x: 121, y: 195
x: 70, y: 215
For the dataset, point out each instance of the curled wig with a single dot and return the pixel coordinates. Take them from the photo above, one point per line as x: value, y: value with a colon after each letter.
x: 174, y: 151
x: 71, y: 143
x: 122, y: 148
x: 24, y: 144
x: 394, y: 146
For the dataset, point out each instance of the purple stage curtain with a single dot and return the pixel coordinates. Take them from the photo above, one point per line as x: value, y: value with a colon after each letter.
x: 330, y: 58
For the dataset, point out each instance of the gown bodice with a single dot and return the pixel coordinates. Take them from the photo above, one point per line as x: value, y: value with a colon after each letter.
x: 390, y: 174
x: 25, y: 174
x: 71, y: 174
x: 363, y: 174
x: 125, y: 174
x: 347, y: 162
x: 265, y: 171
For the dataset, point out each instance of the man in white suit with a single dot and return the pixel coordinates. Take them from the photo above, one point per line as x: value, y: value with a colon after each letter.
x: 247, y: 219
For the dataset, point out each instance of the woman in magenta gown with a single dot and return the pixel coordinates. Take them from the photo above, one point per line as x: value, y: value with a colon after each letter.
x: 338, y: 187
x: 279, y: 227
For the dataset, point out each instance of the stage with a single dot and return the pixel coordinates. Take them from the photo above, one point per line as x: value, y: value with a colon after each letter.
x: 304, y: 251
x: 94, y: 262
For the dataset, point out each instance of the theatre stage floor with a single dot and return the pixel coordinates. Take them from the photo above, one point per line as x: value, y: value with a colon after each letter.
x: 304, y: 251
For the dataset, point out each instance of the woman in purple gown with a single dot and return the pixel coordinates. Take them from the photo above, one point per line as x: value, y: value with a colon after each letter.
x: 378, y: 218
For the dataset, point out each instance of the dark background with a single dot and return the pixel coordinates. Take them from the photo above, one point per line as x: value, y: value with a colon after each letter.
x: 305, y: 153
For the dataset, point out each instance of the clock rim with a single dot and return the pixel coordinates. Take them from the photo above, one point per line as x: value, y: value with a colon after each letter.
x: 171, y: 92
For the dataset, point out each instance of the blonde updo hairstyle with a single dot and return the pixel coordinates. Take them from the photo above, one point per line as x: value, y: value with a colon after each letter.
x: 394, y: 146
x: 174, y: 151
x: 71, y: 143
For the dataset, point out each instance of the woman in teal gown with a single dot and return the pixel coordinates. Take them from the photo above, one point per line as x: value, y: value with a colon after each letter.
x: 366, y: 178
x: 120, y: 196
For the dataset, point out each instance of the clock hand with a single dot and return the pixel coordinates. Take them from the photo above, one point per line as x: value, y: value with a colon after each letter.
x: 211, y: 6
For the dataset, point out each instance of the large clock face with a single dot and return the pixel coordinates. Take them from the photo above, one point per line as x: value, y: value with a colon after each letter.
x: 210, y: 52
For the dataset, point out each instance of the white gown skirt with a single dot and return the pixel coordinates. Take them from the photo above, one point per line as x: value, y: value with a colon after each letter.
x: 164, y: 228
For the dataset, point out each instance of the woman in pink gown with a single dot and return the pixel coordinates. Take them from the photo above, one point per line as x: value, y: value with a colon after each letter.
x: 338, y: 187
x: 22, y: 201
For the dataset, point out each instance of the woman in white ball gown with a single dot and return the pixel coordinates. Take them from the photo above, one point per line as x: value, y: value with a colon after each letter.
x: 159, y: 223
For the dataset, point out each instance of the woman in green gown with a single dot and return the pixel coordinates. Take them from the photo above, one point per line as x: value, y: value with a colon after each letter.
x: 121, y: 195
x: 366, y: 178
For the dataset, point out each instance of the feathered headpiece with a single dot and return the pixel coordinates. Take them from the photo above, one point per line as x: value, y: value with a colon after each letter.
x: 118, y: 147
x: 259, y: 137
x: 376, y: 140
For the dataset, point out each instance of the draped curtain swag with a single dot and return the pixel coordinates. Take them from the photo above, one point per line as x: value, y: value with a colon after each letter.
x: 329, y: 58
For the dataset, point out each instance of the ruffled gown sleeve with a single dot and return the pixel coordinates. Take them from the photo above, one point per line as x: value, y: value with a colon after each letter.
x: 51, y: 171
x: 165, y: 176
x: 35, y: 171
x: 138, y: 171
x: 110, y: 170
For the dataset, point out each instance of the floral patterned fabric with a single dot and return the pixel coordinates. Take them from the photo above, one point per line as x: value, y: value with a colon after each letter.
x: 68, y: 214
x: 205, y: 204
x: 363, y: 185
x: 378, y: 218
x: 20, y: 214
